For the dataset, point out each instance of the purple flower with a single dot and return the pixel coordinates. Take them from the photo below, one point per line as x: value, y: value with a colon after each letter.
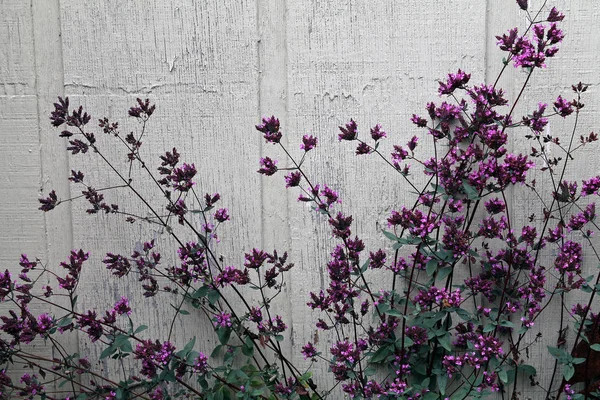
x: 363, y: 148
x: 122, y: 306
x: 118, y: 264
x: 309, y: 142
x: 143, y: 110
x: 412, y: 143
x: 329, y: 195
x: 32, y: 386
x: 454, y: 81
x: 417, y: 334
x: 49, y: 202
x: 232, y: 275
x: 182, y: 177
x: 178, y: 208
x: 580, y: 219
x: 293, y: 179
x: 201, y: 364
x: 211, y: 200
x: 555, y: 15
x: 377, y: 259
x: 570, y: 257
x: 495, y: 206
x: 277, y: 325
x: 377, y: 133
x: 514, y: 169
x: 440, y: 297
x: 536, y: 121
x: 223, y: 320
x: 349, y: 132
x: 341, y: 225
x: 563, y: 107
x: 418, y: 121
x: 590, y: 186
x: 76, y: 177
x: 556, y: 234
x: 399, y: 154
x: 255, y: 259
x: 94, y: 327
x: 153, y: 356
x: 267, y: 166
x: 44, y: 323
x: 221, y: 215
x: 270, y: 127
x: 26, y: 264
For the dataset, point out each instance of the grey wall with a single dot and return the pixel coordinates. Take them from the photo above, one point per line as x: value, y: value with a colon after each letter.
x: 214, y: 68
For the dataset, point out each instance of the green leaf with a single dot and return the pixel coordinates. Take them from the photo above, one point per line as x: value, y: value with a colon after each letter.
x: 507, y: 324
x: 108, y: 351
x: 141, y: 328
x: 568, y: 371
x: 595, y: 347
x: 279, y: 338
x: 202, y: 292
x: 443, y: 273
x: 503, y: 376
x: 444, y: 341
x: 187, y: 348
x: 381, y: 354
x: 556, y: 352
x: 224, y: 334
x: 430, y: 396
x: 390, y: 235
x: 470, y: 191
x: 213, y: 297
x: 461, y: 394
x: 126, y: 347
x: 431, y: 266
x: 215, y: 352
x: 528, y: 369
x: 184, y: 312
x: 463, y: 314
x: 394, y: 312
x: 248, y: 347
x: 370, y: 371
x: 442, y: 381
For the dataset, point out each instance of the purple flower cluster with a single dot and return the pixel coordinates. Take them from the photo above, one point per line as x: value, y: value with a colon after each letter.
x: 482, y: 349
x: 345, y: 355
x: 417, y: 223
x: 270, y: 127
x: 438, y: 297
x: 153, y: 355
x: 528, y: 53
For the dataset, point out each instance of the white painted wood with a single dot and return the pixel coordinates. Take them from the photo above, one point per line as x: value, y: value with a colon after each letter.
x: 22, y: 226
x: 213, y: 69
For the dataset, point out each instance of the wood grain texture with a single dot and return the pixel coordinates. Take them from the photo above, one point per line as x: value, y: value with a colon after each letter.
x: 22, y: 228
x: 213, y: 69
x: 197, y: 61
x: 375, y: 62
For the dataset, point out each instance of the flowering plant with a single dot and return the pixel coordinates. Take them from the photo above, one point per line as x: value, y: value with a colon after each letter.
x: 467, y: 283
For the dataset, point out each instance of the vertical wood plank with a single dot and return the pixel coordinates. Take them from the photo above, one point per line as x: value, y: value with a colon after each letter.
x: 375, y: 62
x: 22, y: 228
x: 197, y: 61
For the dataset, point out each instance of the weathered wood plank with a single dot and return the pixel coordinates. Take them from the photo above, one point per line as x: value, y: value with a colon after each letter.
x: 197, y: 61
x: 375, y: 62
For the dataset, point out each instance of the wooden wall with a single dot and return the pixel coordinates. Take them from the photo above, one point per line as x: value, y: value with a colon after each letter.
x: 213, y: 68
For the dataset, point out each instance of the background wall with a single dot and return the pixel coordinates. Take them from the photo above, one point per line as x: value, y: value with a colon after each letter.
x: 214, y: 68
